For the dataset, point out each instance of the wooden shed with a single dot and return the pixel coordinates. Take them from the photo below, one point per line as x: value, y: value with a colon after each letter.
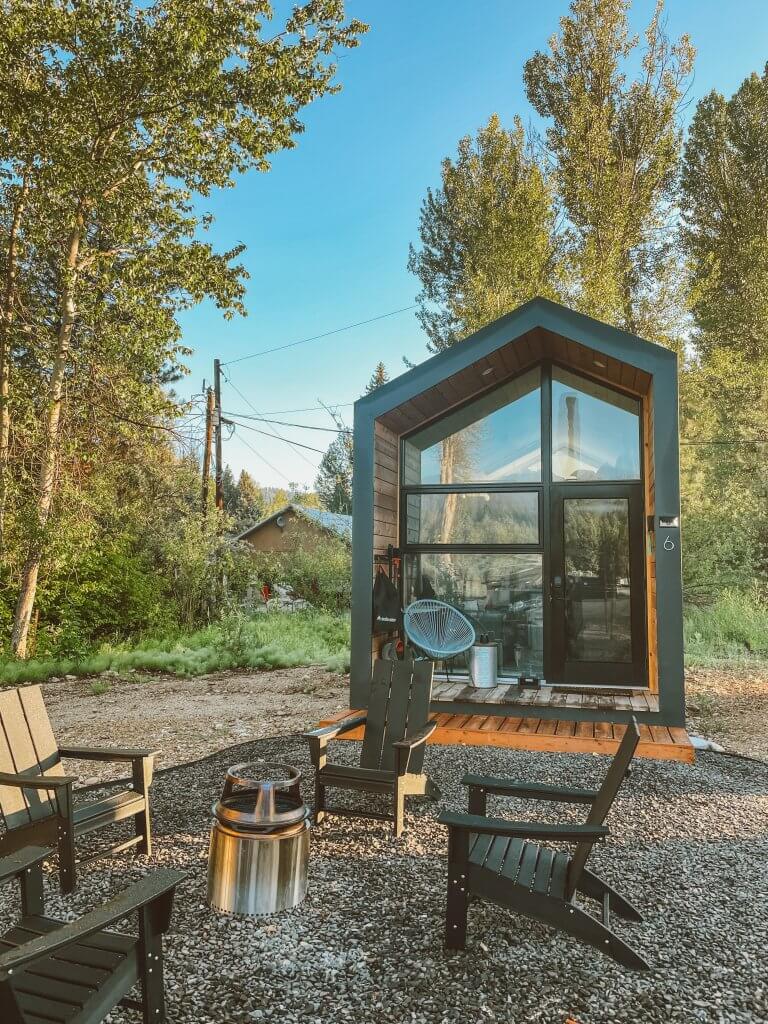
x: 529, y: 476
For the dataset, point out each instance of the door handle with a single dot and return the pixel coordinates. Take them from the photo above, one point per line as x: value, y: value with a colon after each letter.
x: 556, y: 588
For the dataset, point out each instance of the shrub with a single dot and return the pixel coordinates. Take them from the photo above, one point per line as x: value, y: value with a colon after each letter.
x: 732, y: 628
x: 321, y: 575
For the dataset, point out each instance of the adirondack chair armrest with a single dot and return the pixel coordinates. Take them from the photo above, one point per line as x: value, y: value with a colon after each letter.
x: 107, y: 753
x: 326, y: 733
x: 528, y: 790
x: 417, y: 739
x: 16, y: 864
x: 150, y: 889
x: 521, y: 829
x: 37, y: 781
x: 405, y: 747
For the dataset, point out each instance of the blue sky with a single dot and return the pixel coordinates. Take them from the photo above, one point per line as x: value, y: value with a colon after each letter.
x: 327, y: 229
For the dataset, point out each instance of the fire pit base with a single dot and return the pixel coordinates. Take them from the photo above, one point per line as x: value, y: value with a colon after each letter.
x: 256, y: 873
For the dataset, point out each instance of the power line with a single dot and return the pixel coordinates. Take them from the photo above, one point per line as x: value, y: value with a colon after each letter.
x: 249, y: 403
x: 283, y: 423
x: 266, y: 461
x: 306, y: 408
x: 295, y: 444
x: 318, y: 337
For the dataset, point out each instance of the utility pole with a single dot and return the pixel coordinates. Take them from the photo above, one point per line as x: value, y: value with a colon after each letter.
x: 217, y: 426
x: 210, y: 410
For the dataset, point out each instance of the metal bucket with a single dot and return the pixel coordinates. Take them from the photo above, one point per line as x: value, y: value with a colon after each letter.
x: 257, y: 873
x: 484, y: 666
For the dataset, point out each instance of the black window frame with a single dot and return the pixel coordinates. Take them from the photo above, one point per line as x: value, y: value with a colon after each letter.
x: 544, y: 486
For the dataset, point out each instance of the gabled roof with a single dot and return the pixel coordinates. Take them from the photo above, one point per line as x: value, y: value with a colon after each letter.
x: 538, y: 329
x: 334, y: 522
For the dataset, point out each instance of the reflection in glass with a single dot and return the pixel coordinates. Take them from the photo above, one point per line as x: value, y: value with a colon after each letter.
x: 504, y: 518
x: 595, y: 431
x: 597, y: 581
x: 499, y: 593
x: 492, y: 440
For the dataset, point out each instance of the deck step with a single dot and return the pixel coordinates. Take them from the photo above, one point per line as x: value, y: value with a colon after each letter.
x: 549, y: 734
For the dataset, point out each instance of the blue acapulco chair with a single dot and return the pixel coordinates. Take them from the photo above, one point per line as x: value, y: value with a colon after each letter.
x: 438, y: 629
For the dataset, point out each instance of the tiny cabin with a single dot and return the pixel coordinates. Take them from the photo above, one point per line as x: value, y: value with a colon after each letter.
x: 529, y: 476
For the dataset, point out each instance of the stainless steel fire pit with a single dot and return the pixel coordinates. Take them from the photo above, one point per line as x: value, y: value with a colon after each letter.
x: 257, y: 863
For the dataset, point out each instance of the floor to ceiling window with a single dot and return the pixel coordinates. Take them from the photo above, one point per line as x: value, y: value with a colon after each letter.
x: 497, y: 493
x: 471, y: 526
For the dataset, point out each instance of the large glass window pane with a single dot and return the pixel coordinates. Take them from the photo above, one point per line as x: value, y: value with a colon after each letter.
x: 500, y: 593
x: 493, y: 440
x: 598, y: 623
x: 595, y: 431
x: 488, y: 518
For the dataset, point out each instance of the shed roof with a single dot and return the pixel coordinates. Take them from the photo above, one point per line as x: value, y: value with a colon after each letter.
x: 539, y: 329
x: 334, y: 522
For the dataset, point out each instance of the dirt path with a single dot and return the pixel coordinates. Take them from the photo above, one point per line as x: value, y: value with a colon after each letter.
x: 188, y: 718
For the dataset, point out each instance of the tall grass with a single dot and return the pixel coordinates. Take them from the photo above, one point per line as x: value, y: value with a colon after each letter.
x: 732, y: 630
x: 274, y: 640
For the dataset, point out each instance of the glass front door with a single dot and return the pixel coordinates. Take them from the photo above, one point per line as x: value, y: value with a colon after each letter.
x: 596, y: 586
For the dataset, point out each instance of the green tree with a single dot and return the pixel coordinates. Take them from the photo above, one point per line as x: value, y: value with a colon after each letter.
x: 487, y: 236
x: 378, y: 377
x: 725, y: 229
x: 250, y: 500
x: 280, y: 498
x: 724, y: 186
x: 134, y: 109
x: 615, y: 142
x: 229, y: 491
x: 334, y: 476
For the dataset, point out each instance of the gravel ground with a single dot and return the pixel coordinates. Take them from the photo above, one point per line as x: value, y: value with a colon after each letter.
x: 689, y: 847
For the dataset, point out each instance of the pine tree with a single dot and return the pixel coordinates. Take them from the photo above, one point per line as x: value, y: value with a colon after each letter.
x: 334, y: 477
x: 379, y: 377
x: 487, y: 236
x: 250, y: 500
x: 229, y: 491
x: 615, y: 142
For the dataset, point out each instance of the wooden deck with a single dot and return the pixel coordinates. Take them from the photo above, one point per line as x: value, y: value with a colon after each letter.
x: 596, y: 698
x: 549, y: 734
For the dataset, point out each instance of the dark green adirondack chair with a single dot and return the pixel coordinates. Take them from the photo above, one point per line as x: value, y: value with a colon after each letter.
x: 498, y: 860
x: 36, y: 802
x: 396, y: 728
x: 78, y: 972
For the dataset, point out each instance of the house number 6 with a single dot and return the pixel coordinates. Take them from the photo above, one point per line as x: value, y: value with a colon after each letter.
x: 669, y: 544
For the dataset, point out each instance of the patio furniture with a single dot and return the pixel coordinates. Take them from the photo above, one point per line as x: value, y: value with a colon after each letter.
x: 78, y: 971
x: 498, y: 860
x: 396, y: 728
x: 36, y: 800
x: 438, y: 629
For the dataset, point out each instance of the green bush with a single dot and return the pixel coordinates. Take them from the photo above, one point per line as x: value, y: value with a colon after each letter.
x: 734, y: 628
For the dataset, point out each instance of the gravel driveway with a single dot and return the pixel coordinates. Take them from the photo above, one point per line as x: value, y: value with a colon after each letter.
x: 689, y: 847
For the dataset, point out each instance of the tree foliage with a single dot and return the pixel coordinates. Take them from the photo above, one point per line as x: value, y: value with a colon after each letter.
x: 615, y: 142
x: 119, y: 118
x: 334, y: 476
x: 487, y: 236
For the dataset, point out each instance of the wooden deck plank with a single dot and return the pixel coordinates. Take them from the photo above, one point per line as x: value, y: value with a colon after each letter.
x: 594, y: 698
x: 551, y: 735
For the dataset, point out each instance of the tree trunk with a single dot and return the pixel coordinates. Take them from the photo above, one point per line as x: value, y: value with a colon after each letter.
x: 6, y: 323
x: 47, y: 472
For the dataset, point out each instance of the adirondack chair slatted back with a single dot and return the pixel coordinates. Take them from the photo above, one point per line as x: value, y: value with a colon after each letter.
x: 398, y: 707
x: 27, y: 747
x: 604, y: 801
